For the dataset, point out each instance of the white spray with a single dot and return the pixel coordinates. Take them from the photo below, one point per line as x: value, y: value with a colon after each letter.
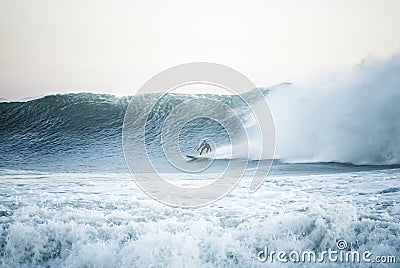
x: 353, y: 119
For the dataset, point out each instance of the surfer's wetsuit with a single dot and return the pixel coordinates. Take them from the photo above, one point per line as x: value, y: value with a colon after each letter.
x: 204, y: 146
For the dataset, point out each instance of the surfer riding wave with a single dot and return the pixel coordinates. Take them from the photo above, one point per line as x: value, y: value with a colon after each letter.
x: 204, y: 146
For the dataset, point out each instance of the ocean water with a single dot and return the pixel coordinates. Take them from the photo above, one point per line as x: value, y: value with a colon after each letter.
x: 68, y: 200
x: 104, y: 220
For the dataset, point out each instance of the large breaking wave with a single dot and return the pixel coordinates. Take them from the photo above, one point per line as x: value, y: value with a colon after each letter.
x: 83, y: 132
x: 351, y: 119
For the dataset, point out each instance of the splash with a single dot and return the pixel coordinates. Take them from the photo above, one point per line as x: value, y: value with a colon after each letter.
x: 352, y: 118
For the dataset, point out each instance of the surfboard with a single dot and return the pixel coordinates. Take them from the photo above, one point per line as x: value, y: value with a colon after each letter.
x: 192, y: 157
x: 197, y: 157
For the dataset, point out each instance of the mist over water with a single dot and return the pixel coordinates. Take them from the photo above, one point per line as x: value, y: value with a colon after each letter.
x: 352, y: 118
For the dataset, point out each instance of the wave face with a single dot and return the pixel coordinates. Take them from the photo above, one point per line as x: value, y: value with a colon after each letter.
x: 83, y: 132
x: 347, y: 120
x: 62, y: 132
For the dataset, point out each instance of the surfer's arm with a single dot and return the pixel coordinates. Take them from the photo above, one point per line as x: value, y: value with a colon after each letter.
x: 201, y: 145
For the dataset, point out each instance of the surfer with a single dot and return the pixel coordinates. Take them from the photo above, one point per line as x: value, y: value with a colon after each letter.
x: 204, y: 146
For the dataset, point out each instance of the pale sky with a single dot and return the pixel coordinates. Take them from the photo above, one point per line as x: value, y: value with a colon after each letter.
x: 50, y: 46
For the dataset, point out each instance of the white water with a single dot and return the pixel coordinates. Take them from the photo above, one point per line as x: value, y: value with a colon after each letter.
x: 104, y: 220
x: 349, y: 118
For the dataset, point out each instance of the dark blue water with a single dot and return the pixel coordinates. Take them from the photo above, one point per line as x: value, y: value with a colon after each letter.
x: 83, y: 133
